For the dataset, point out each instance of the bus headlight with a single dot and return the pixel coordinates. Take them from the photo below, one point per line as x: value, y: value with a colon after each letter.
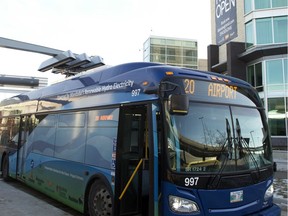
x: 269, y: 192
x: 178, y: 204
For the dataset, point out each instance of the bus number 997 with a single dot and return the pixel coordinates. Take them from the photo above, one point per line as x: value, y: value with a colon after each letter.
x: 193, y: 181
x: 135, y: 92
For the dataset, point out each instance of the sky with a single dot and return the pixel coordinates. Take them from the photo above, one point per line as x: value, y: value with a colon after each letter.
x: 112, y: 29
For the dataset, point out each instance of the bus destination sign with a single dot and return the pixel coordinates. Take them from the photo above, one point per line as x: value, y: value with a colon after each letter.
x: 218, y: 90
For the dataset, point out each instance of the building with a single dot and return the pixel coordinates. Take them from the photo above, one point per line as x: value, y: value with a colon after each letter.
x: 171, y: 51
x: 14, y: 85
x: 249, y: 41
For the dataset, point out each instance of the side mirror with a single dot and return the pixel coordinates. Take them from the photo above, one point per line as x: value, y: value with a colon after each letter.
x: 178, y: 104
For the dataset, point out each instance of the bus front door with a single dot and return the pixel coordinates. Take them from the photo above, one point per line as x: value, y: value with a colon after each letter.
x: 131, y: 189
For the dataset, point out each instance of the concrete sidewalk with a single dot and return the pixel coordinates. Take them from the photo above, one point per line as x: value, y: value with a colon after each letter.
x: 281, y: 180
x: 280, y: 157
x: 17, y: 199
x: 280, y: 191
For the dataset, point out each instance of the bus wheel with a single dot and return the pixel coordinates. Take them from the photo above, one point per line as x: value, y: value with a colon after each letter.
x: 5, y: 168
x: 100, y: 200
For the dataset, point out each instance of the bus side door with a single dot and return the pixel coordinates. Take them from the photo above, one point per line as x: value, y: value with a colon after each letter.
x: 132, y: 180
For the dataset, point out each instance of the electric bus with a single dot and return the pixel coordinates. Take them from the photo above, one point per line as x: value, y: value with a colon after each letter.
x: 142, y: 139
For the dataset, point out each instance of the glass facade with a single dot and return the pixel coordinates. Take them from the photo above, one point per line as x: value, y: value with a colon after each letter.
x: 251, y: 5
x: 177, y: 52
x: 277, y: 83
x: 273, y: 74
x: 271, y: 30
x: 277, y: 116
x: 266, y: 24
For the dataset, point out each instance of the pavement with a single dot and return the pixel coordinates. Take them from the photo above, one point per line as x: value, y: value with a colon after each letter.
x: 17, y: 199
x: 280, y: 191
x: 281, y: 181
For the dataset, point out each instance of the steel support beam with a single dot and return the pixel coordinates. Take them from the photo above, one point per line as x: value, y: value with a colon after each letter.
x: 19, y: 45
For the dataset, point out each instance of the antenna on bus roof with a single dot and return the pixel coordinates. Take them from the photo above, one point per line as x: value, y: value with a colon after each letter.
x: 66, y: 63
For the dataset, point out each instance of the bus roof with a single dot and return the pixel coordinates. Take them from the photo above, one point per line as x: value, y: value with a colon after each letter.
x: 104, y: 81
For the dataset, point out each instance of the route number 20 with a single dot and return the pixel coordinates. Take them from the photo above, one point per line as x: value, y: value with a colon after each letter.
x: 189, y: 86
x: 192, y: 181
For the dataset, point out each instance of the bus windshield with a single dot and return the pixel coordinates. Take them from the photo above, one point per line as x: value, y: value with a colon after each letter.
x: 215, y: 138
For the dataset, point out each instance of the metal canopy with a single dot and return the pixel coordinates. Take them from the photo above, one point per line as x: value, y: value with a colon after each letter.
x: 66, y: 63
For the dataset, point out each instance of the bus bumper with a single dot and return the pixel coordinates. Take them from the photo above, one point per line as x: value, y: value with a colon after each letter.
x: 272, y: 211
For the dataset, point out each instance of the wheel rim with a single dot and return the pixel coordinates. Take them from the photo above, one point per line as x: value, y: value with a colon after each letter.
x: 102, y: 202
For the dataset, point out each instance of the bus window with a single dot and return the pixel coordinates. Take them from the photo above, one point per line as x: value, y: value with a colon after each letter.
x: 4, y: 132
x: 101, y: 136
x: 44, y: 135
x: 204, y: 141
x: 70, y: 137
x: 9, y: 132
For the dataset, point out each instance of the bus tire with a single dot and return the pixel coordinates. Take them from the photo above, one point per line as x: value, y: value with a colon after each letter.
x: 5, y: 168
x: 100, y: 199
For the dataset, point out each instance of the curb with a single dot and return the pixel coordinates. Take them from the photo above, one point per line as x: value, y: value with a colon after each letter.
x: 281, y: 202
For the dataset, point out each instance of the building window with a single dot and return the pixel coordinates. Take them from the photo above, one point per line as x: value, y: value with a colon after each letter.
x: 158, y: 58
x: 254, y: 76
x: 250, y: 75
x: 262, y: 4
x: 158, y: 41
x: 279, y: 3
x: 248, y: 6
x: 249, y: 34
x: 268, y: 31
x: 251, y: 5
x: 275, y: 73
x: 285, y: 66
x: 192, y: 44
x: 276, y: 116
x: 280, y: 29
x: 189, y: 61
x: 171, y: 51
x: 158, y: 50
x: 264, y: 31
x: 189, y: 53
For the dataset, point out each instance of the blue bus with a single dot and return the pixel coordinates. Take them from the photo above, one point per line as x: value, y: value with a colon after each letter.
x: 142, y: 139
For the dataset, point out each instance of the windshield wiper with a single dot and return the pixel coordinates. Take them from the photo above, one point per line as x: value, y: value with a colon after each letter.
x: 241, y: 143
x: 228, y: 142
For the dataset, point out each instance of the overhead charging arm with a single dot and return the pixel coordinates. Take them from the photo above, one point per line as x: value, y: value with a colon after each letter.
x: 66, y: 63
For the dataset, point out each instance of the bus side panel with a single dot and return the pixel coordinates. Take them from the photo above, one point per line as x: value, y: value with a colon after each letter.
x: 62, y: 180
x: 13, y: 164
